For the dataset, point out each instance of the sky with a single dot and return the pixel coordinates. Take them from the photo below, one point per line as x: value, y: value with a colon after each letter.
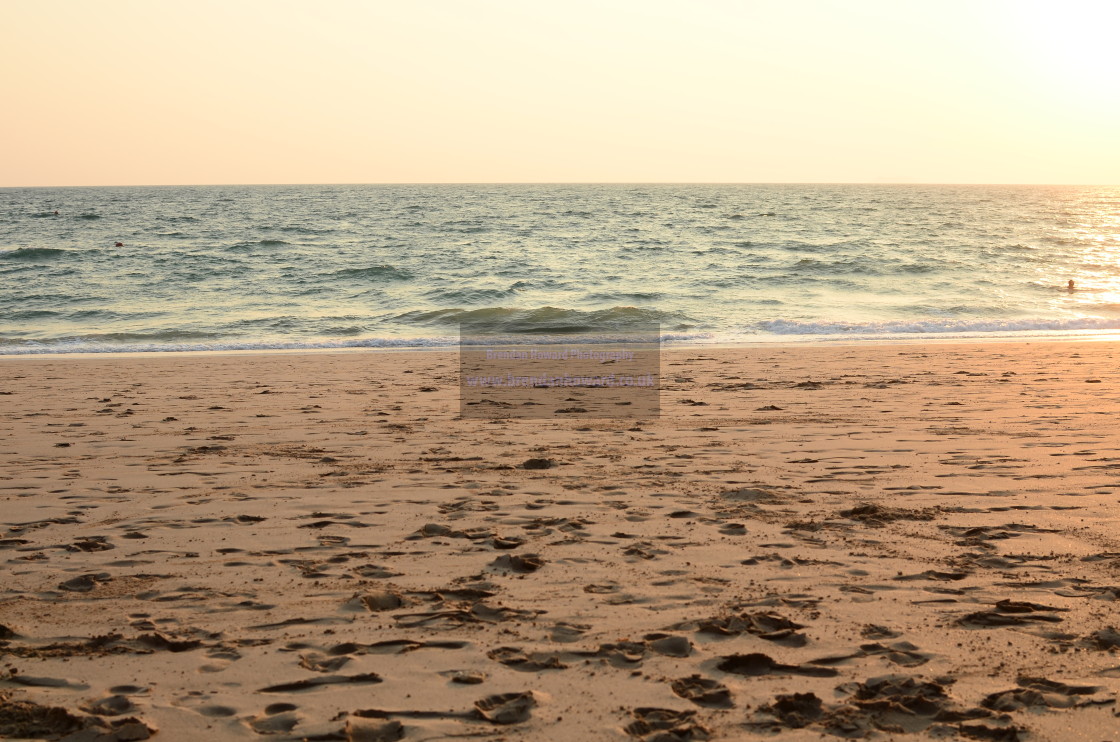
x: 163, y: 92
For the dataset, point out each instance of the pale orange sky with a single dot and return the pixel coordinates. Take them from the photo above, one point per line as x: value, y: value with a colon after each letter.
x: 112, y: 92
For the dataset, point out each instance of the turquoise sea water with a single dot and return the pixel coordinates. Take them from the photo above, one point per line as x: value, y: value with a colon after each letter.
x: 255, y: 267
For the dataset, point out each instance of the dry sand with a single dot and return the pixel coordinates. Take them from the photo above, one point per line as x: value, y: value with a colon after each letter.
x: 880, y: 542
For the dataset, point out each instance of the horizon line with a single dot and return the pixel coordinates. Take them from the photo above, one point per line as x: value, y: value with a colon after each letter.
x: 574, y: 182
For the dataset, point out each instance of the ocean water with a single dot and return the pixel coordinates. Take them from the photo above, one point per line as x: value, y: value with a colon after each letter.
x: 257, y: 267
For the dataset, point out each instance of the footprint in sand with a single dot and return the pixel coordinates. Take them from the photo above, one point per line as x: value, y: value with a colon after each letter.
x: 85, y: 583
x: 1035, y: 693
x: 1011, y: 613
x: 669, y: 644
x: 312, y: 683
x: 517, y: 659
x: 703, y: 692
x: 757, y: 664
x: 568, y: 632
x: 114, y: 705
x: 902, y: 653
x: 656, y: 724
x: 374, y: 572
x: 319, y: 663
x: 506, y: 708
x: 465, y: 677
x: 369, y: 730
x: 375, y: 601
x: 882, y: 701
x: 769, y: 626
x: 521, y: 564
x: 282, y: 718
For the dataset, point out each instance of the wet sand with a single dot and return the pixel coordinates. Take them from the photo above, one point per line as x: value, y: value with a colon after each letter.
x: 874, y: 542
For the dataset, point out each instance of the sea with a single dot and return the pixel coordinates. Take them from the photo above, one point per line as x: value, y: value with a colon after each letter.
x: 210, y: 268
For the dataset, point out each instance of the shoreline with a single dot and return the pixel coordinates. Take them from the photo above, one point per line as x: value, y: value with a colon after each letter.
x: 1101, y: 336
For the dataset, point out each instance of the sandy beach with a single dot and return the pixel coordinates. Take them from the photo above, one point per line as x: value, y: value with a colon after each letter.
x: 867, y: 542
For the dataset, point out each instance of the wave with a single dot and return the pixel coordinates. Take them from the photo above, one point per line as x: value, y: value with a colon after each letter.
x: 307, y: 230
x: 625, y: 296
x: 511, y: 320
x: 387, y: 272
x: 111, y: 315
x: 25, y: 314
x: 343, y: 331
x: 856, y: 266
x: 134, y: 337
x: 11, y: 270
x: 468, y: 296
x: 249, y: 246
x: 645, y: 246
x: 34, y: 253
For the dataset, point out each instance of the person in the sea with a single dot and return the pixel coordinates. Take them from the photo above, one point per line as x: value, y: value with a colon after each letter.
x: 1070, y: 285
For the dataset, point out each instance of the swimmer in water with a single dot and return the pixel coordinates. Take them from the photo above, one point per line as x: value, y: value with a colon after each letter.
x: 1070, y: 287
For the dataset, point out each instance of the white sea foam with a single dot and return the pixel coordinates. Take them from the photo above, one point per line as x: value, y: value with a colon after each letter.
x: 938, y: 326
